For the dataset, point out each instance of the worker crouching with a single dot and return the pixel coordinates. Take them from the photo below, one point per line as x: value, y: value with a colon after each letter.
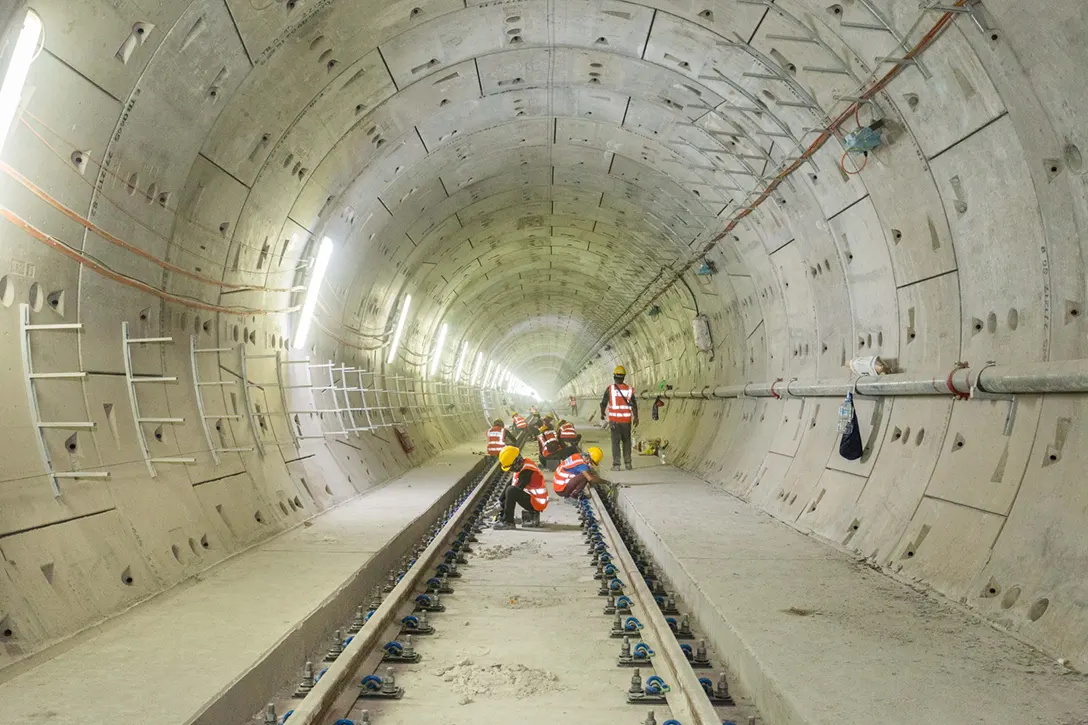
x: 527, y: 489
x: 498, y: 438
x: 576, y: 473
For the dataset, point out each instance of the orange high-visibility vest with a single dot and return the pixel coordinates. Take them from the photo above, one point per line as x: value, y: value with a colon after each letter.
x: 519, y: 422
x: 496, y: 440
x: 546, y: 437
x: 573, y: 402
x: 619, y: 403
x: 567, y: 432
x: 537, y: 488
x: 563, y: 474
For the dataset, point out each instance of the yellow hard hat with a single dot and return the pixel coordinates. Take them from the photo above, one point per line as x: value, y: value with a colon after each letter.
x: 507, y: 456
x: 620, y: 370
x: 595, y: 454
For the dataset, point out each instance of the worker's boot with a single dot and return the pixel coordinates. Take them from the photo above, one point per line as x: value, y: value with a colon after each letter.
x: 530, y: 519
x: 627, y: 465
x: 616, y: 466
x: 504, y: 525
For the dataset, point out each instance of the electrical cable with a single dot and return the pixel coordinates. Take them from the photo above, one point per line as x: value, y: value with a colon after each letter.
x: 117, y: 241
x: 104, y: 270
x: 67, y: 161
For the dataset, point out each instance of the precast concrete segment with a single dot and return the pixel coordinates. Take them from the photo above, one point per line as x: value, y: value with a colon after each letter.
x: 816, y: 636
x: 523, y: 639
x: 167, y: 659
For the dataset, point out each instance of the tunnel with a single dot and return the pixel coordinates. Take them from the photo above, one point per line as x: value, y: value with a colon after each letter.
x: 269, y: 269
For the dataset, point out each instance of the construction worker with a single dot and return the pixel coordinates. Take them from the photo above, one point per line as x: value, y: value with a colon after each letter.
x: 568, y: 434
x: 620, y: 407
x: 548, y: 441
x: 498, y: 437
x: 519, y: 422
x: 527, y: 489
x: 534, y: 420
x: 575, y: 473
x: 573, y: 405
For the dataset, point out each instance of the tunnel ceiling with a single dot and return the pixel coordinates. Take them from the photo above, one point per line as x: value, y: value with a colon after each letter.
x: 532, y: 173
x: 528, y: 171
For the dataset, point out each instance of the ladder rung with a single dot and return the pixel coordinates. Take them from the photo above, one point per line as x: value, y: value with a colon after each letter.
x: 46, y: 376
x: 173, y: 460
x: 320, y: 436
x: 134, y: 340
x: 162, y: 420
x: 233, y: 450
x: 219, y: 382
x: 262, y: 385
x: 312, y: 412
x: 321, y: 365
x: 223, y: 417
x: 260, y: 357
x: 213, y: 349
x: 154, y: 380
x: 293, y: 387
x: 67, y: 426
x: 59, y: 326
x: 81, y: 474
x: 298, y: 362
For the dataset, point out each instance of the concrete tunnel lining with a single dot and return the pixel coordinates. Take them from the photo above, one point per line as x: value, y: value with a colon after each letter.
x: 536, y: 192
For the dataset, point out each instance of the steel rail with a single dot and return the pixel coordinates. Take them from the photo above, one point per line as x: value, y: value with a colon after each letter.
x: 686, y: 698
x: 343, y: 673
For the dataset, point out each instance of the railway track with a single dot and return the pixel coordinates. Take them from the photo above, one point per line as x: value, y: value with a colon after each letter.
x: 567, y: 621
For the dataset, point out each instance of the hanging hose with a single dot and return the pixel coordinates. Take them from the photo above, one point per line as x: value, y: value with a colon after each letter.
x: 857, y: 169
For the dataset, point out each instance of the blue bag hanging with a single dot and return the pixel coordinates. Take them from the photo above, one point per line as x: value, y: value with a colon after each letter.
x: 850, y: 445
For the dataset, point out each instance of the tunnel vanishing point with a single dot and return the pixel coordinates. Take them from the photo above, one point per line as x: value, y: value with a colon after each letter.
x: 262, y: 259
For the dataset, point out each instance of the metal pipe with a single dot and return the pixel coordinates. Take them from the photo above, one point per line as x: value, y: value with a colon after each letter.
x: 1065, y: 376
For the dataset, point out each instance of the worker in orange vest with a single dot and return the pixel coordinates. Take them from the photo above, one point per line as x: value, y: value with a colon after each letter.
x: 573, y: 405
x: 497, y: 437
x: 568, y: 434
x: 527, y: 489
x: 547, y: 441
x: 575, y: 473
x: 519, y: 422
x: 620, y: 407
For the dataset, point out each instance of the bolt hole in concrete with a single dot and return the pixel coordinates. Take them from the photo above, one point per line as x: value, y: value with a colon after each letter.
x: 37, y: 297
x: 7, y: 291
x: 176, y: 551
x: 297, y: 501
x: 204, y: 542
x: 258, y: 517
x: 192, y: 545
x: 126, y: 577
x: 7, y: 634
x: 283, y: 508
x: 1038, y: 609
x: 1010, y: 597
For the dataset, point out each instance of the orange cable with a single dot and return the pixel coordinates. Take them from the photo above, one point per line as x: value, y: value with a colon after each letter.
x: 101, y: 165
x: 826, y: 135
x: 104, y: 271
x: 91, y: 226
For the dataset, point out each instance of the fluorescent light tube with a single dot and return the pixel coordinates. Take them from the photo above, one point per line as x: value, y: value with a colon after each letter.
x: 324, y: 253
x: 11, y: 92
x: 400, y: 329
x: 438, y: 349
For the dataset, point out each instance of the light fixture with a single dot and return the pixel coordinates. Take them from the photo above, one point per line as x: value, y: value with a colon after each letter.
x: 461, y: 361
x: 438, y: 349
x: 324, y: 253
x: 400, y: 329
x: 11, y: 92
x: 476, y: 368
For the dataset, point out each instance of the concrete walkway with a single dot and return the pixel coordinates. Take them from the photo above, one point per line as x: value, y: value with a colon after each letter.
x: 818, y: 638
x: 164, y: 661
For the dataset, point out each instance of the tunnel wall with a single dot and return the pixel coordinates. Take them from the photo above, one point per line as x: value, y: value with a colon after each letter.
x: 966, y: 244
x: 136, y: 168
x: 211, y: 135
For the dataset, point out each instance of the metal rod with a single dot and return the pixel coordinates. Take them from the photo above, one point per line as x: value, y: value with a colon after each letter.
x: 53, y: 376
x: 59, y: 326
x: 141, y: 340
x: 156, y: 379
x: 1063, y: 377
x: 81, y: 474
x: 162, y: 420
x: 66, y: 426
